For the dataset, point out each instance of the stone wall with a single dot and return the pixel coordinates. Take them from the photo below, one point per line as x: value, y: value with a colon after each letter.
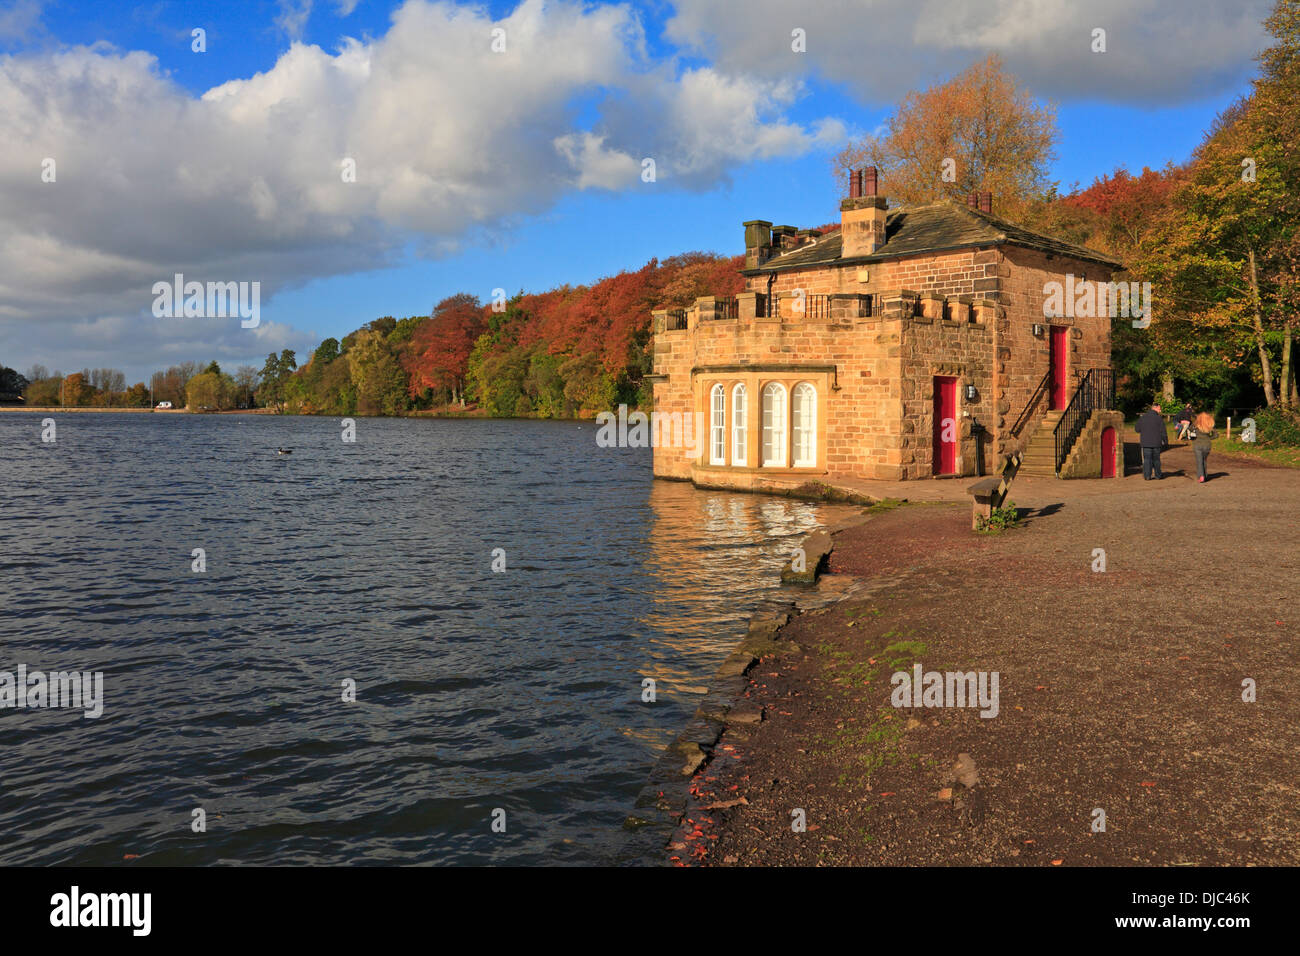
x: 1022, y: 357
x: 968, y: 314
x: 1084, y: 460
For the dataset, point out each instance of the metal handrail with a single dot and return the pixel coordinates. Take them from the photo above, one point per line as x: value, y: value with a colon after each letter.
x: 1096, y: 391
x: 1026, y: 413
x: 814, y: 307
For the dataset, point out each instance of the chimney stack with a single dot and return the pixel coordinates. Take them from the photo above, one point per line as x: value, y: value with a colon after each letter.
x: 986, y: 203
x: 758, y: 242
x: 862, y: 215
x: 869, y: 181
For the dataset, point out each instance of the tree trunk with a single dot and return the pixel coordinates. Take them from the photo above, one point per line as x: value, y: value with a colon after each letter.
x: 1288, y: 366
x: 1265, y: 367
x: 1167, y: 386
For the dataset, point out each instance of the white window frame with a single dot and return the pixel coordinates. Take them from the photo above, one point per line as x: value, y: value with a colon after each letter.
x: 803, y: 434
x: 739, y: 425
x: 776, y: 433
x: 718, y: 425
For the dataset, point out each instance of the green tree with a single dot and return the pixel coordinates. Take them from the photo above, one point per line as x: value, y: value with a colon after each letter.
x: 274, y: 374
x: 379, y: 379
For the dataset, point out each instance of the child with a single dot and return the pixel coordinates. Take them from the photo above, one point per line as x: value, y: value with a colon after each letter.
x: 1201, y: 443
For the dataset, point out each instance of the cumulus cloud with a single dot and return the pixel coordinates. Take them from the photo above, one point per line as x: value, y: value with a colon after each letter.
x: 1157, y: 51
x: 246, y: 182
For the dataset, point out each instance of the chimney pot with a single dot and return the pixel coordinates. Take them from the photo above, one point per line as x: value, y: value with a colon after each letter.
x: 855, y: 183
x: 973, y: 200
x: 986, y: 202
x: 870, y: 176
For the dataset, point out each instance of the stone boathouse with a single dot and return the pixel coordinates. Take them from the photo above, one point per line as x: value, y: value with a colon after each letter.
x: 909, y: 343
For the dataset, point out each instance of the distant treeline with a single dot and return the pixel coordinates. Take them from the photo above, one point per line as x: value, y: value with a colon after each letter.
x: 572, y: 351
x: 188, y: 383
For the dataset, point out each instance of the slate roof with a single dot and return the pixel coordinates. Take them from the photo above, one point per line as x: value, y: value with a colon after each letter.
x: 920, y: 229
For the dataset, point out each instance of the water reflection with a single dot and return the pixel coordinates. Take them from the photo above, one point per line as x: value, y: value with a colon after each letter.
x: 370, y: 561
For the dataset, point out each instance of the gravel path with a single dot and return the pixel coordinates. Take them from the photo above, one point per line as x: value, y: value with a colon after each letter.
x: 1119, y: 690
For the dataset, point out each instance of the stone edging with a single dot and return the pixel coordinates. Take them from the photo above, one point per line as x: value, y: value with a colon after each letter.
x: 664, y: 800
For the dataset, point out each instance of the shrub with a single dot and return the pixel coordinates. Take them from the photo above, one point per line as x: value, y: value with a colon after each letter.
x: 1002, y: 518
x: 1277, y: 426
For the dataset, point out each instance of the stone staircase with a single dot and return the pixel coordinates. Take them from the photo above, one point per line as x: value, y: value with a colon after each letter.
x: 1040, y: 451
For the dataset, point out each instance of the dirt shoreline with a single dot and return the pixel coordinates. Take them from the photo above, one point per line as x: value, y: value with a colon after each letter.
x: 1120, y: 690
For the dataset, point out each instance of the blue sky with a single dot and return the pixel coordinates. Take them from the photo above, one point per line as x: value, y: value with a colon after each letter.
x: 477, y: 172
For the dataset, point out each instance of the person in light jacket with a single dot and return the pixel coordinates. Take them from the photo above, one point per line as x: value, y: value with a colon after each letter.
x: 1151, y: 428
x: 1205, y: 434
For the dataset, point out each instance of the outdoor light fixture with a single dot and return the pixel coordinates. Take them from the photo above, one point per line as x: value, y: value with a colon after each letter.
x: 971, y: 393
x: 1038, y: 329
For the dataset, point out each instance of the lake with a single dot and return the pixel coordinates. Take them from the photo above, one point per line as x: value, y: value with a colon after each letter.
x: 366, y: 564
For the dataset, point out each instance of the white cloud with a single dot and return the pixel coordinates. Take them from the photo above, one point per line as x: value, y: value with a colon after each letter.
x: 19, y: 19
x: 1158, y: 51
x: 293, y: 17
x: 244, y: 183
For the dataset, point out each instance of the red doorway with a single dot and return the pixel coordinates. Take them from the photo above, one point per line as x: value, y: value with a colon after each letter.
x: 1058, y: 366
x: 1108, y: 453
x: 945, y: 425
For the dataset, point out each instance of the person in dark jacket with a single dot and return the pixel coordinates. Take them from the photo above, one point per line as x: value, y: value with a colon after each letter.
x: 1205, y: 434
x: 1151, y: 429
x: 1185, y: 419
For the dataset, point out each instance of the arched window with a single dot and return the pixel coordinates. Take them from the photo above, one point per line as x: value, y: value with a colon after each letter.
x: 803, y: 406
x: 718, y: 426
x: 739, y: 426
x: 774, y: 413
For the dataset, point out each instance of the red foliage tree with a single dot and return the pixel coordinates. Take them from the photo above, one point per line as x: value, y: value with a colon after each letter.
x: 438, y: 354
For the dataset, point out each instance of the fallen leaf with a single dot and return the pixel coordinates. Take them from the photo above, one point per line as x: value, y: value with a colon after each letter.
x: 724, y: 804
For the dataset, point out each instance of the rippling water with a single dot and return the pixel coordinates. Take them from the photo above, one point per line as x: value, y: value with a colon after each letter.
x: 371, y: 562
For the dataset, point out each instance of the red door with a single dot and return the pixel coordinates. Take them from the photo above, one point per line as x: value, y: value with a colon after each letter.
x: 1108, y: 453
x: 945, y: 426
x: 1058, y: 366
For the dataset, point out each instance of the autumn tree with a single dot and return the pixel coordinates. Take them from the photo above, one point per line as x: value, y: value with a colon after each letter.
x: 76, y: 390
x: 1229, y: 261
x: 979, y: 130
x: 438, y: 355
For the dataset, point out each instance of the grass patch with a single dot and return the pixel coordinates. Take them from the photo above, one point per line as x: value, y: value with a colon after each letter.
x: 1283, y: 455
